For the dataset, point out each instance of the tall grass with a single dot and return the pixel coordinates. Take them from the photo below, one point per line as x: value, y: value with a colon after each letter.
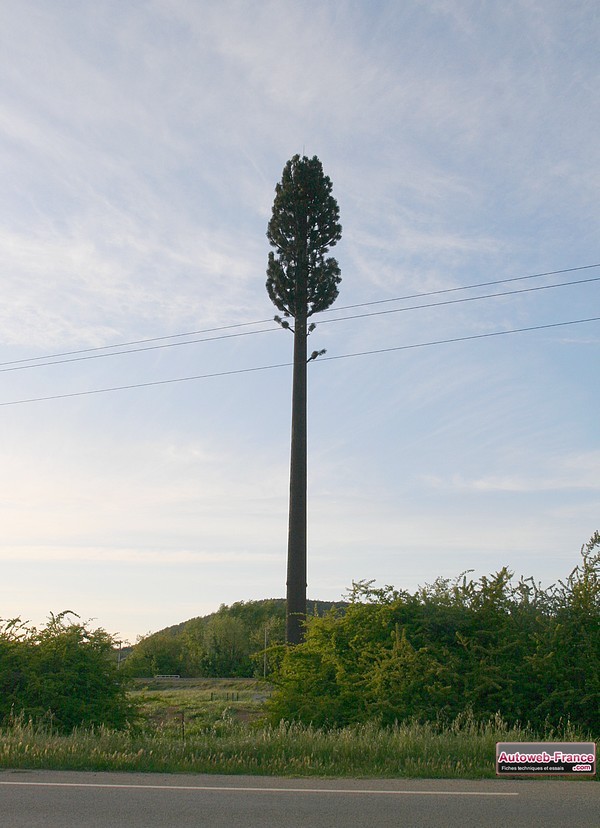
x: 465, y: 749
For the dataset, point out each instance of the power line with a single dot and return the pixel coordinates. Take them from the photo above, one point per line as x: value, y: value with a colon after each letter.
x: 288, y: 364
x: 328, y: 310
x: 139, y: 342
x: 14, y: 367
x: 466, y: 287
x: 88, y: 356
x: 463, y: 338
x: 461, y: 301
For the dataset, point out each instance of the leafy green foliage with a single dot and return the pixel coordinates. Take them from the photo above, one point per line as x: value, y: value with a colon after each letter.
x: 64, y: 674
x: 566, y: 659
x: 158, y: 654
x: 486, y: 646
x: 227, y: 643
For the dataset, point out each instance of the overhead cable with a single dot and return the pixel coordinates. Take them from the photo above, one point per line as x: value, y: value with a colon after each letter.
x: 338, y: 308
x: 288, y: 364
x: 87, y: 356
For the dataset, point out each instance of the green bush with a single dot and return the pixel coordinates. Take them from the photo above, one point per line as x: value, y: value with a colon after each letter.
x: 487, y: 646
x: 64, y: 674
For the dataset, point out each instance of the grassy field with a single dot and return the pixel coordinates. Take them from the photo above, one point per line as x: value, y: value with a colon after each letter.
x: 214, y: 726
x: 193, y: 705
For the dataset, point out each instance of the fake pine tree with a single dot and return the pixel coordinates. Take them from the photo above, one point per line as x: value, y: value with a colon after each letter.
x: 300, y: 282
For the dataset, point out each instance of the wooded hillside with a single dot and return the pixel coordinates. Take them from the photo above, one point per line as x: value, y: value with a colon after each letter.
x: 229, y: 642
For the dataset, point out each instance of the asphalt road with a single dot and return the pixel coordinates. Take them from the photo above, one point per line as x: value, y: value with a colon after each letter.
x: 52, y: 799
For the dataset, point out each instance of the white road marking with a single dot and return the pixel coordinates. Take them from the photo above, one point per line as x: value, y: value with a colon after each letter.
x: 256, y: 789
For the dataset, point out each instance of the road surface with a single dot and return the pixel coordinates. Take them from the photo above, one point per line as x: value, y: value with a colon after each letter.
x: 61, y: 799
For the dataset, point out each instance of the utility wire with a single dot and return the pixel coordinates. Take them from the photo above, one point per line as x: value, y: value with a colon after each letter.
x: 466, y: 287
x: 142, y: 341
x: 14, y: 367
x: 288, y: 364
x: 87, y: 356
x: 463, y: 338
x: 461, y: 301
x: 328, y: 310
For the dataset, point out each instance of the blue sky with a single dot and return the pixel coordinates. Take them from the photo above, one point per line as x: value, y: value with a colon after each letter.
x: 140, y: 148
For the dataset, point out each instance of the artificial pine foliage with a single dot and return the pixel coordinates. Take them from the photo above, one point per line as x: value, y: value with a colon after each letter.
x: 303, y: 227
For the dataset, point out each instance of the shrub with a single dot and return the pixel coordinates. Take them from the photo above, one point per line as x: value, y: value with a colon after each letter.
x: 65, y: 674
x: 489, y: 646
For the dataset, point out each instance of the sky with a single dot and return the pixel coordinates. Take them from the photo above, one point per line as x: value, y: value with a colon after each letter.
x: 140, y: 146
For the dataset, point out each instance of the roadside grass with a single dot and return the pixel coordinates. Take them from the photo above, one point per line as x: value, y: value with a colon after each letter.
x: 226, y: 736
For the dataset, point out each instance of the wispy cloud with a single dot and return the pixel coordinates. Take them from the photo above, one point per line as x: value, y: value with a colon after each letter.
x: 573, y: 472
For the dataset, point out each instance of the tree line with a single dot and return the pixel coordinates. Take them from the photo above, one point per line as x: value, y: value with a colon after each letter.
x: 486, y: 646
x: 228, y: 643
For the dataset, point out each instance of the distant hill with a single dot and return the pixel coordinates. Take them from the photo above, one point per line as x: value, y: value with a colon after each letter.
x: 252, y: 611
x: 228, y: 642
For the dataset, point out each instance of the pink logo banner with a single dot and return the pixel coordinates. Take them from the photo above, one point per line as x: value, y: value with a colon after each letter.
x: 528, y: 758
